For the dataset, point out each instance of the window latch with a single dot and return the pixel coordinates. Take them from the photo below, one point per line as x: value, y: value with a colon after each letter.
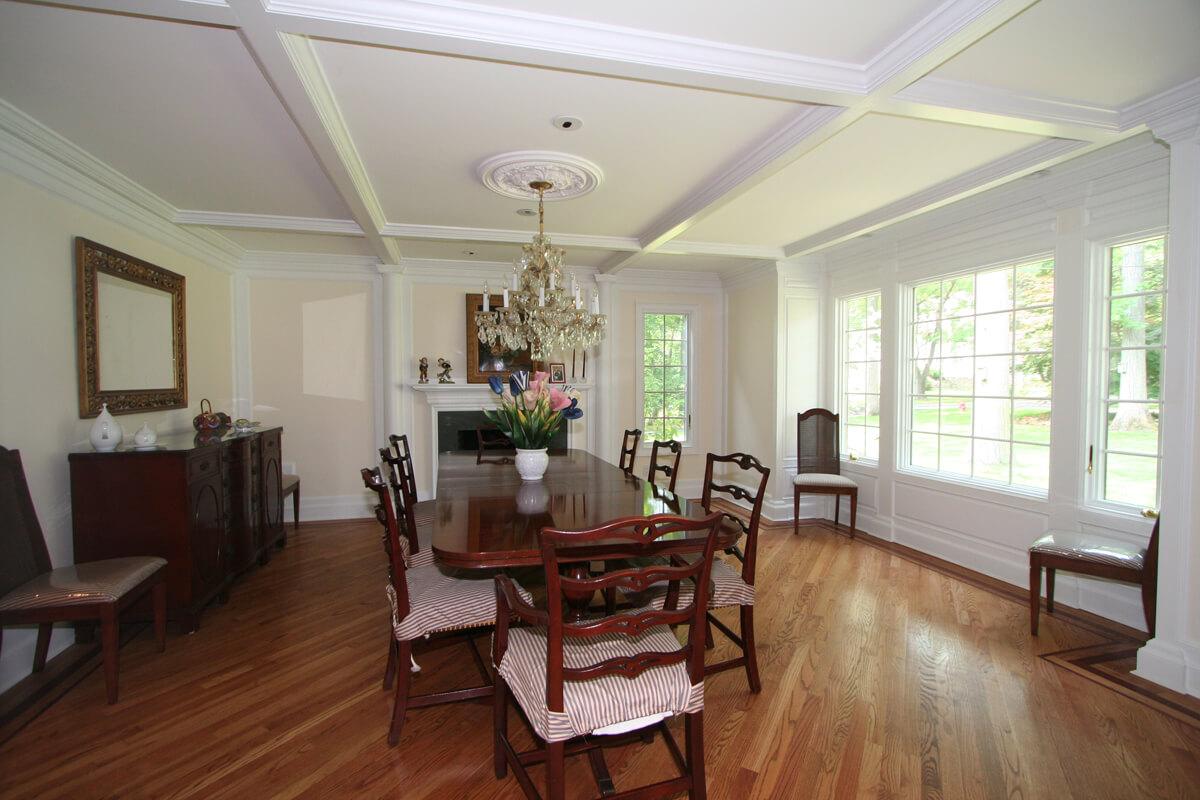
x: 1090, y: 464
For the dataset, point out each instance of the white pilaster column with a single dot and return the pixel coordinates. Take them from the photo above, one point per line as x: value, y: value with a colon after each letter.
x: 604, y: 442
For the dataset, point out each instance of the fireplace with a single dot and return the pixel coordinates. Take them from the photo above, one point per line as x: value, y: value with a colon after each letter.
x: 458, y: 431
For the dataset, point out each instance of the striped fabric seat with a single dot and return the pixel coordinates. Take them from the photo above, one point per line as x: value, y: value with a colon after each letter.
x: 1090, y: 547
x: 605, y: 701
x: 423, y: 514
x: 822, y: 479
x: 728, y: 589
x: 96, y: 581
x: 441, y: 601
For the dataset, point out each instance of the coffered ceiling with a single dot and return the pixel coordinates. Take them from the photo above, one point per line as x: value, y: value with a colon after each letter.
x: 726, y: 134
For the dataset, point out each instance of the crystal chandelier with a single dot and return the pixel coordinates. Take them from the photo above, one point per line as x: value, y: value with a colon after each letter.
x: 540, y: 311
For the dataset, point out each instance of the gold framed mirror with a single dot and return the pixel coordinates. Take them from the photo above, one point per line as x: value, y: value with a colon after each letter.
x: 130, y: 331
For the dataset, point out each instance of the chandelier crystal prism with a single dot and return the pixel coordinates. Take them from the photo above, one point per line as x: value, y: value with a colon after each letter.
x: 540, y: 310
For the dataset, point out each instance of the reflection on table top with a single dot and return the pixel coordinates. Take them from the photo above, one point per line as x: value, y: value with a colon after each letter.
x: 486, y: 516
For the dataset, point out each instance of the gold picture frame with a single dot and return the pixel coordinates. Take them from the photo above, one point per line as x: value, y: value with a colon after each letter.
x: 484, y: 362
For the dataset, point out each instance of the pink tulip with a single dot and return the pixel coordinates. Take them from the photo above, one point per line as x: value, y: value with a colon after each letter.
x: 558, y: 400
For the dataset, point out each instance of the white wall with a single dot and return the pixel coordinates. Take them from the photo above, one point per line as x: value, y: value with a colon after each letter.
x: 38, y: 391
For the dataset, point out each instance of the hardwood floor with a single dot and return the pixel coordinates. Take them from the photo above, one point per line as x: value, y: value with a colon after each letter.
x: 882, y: 677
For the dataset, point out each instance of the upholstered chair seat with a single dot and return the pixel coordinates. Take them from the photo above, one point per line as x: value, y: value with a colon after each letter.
x: 92, y: 582
x: 822, y: 479
x: 1090, y: 548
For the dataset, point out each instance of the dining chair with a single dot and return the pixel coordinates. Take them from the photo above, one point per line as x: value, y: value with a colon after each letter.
x: 580, y: 682
x: 670, y: 465
x: 629, y: 447
x: 418, y: 535
x: 33, y: 592
x: 490, y: 437
x: 819, y: 464
x: 430, y: 609
x: 423, y: 508
x: 1097, y: 555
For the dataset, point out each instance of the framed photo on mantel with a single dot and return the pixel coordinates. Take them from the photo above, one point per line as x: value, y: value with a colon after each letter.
x: 484, y: 361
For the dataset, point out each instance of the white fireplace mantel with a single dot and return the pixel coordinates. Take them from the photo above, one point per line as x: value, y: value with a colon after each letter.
x: 441, y: 397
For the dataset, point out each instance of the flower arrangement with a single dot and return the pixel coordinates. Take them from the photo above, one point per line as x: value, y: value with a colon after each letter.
x: 531, y: 410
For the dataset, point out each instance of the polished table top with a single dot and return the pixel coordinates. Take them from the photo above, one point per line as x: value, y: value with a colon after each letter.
x: 486, y: 516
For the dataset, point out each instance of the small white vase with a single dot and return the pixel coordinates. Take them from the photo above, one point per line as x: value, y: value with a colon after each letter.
x: 106, y: 433
x: 145, y: 438
x: 531, y: 464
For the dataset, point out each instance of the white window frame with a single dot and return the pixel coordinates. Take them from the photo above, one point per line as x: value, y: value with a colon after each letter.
x: 1096, y: 457
x: 904, y: 382
x: 692, y: 312
x: 842, y: 361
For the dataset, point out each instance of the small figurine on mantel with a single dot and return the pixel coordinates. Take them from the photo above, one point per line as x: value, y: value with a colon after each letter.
x: 444, y: 374
x: 423, y: 366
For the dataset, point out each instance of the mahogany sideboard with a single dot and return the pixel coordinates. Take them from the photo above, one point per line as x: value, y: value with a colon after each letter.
x: 210, y: 504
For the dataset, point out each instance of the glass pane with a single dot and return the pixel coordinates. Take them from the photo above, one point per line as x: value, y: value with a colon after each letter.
x: 873, y: 348
x: 873, y: 311
x: 856, y: 346
x: 1136, y: 322
x: 873, y: 443
x: 993, y: 418
x: 856, y: 440
x: 993, y: 290
x: 960, y: 296
x: 675, y: 404
x: 958, y: 337
x: 1027, y: 382
x: 1031, y: 422
x: 956, y: 417
x: 1035, y: 284
x: 652, y: 326
x: 856, y: 377
x: 955, y: 455
x: 925, y: 414
x: 992, y: 460
x: 957, y: 376
x: 674, y: 379
x: 673, y: 353
x: 673, y: 428
x: 1031, y: 466
x: 1035, y: 330
x: 856, y: 409
x: 927, y: 301
x: 924, y: 451
x: 856, y: 314
x: 652, y: 379
x: 993, y: 376
x: 652, y: 352
x: 652, y: 405
x: 1133, y: 428
x: 993, y: 334
x: 675, y: 327
x: 1138, y: 267
x: 1131, y: 479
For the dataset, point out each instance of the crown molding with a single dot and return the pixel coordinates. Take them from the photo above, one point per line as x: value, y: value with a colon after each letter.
x: 267, y: 222
x: 276, y: 264
x: 496, y: 235
x: 46, y: 159
x: 760, y: 275
x: 960, y: 95
x: 1171, y: 115
x: 757, y: 252
x: 773, y: 73
x: 469, y: 273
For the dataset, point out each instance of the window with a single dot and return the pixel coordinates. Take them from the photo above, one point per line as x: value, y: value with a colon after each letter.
x: 1130, y: 462
x: 665, y: 376
x: 978, y: 374
x: 860, y: 376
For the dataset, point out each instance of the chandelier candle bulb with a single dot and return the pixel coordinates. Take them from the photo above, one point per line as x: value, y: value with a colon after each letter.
x: 506, y: 298
x: 486, y: 308
x: 541, y: 296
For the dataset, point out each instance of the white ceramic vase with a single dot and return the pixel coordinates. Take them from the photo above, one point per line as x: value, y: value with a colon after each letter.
x: 106, y: 433
x: 531, y: 464
x: 145, y: 438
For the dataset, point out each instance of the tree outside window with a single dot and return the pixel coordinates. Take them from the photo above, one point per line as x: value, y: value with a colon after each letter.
x: 665, y: 377
x: 1130, y: 460
x: 860, y: 354
x: 979, y: 374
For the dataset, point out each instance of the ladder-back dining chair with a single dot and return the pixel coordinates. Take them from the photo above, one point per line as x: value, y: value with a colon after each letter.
x: 819, y: 465
x: 671, y: 453
x: 629, y: 447
x: 583, y: 683
x: 423, y: 509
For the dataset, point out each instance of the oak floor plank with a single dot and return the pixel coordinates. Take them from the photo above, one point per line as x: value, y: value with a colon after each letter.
x: 884, y: 676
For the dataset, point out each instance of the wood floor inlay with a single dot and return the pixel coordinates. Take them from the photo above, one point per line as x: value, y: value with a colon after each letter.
x: 886, y: 674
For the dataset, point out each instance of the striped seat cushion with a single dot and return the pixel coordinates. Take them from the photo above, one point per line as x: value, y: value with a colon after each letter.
x: 424, y: 556
x: 91, y: 582
x: 441, y: 600
x: 728, y: 589
x: 602, y: 702
x: 423, y: 514
x: 1090, y: 547
x: 822, y: 479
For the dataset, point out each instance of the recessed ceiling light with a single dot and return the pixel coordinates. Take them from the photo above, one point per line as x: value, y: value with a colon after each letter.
x: 468, y: 252
x: 568, y: 123
x: 527, y: 212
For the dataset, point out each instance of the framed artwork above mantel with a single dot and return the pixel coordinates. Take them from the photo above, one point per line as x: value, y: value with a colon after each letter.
x: 483, y: 361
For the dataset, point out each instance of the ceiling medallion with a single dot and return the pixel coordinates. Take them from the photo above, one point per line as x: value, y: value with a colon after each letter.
x: 511, y: 174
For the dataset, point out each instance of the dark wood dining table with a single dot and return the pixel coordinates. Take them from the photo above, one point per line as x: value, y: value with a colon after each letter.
x: 486, y: 516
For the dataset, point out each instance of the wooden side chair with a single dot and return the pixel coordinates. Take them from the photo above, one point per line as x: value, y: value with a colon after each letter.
x: 424, y: 508
x: 580, y: 683
x: 1097, y: 555
x: 629, y: 449
x: 417, y: 535
x: 33, y: 592
x: 430, y: 609
x: 819, y: 465
x: 670, y: 465
x: 291, y: 485
x: 490, y: 437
